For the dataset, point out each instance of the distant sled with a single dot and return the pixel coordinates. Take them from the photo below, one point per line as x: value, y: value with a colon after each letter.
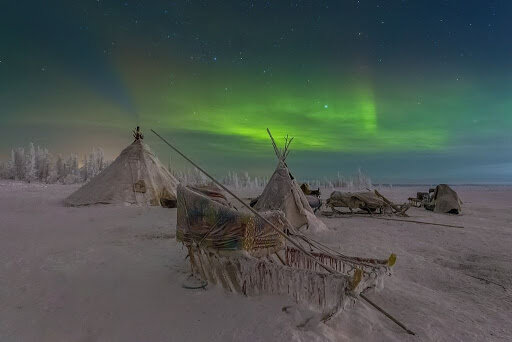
x: 367, y: 202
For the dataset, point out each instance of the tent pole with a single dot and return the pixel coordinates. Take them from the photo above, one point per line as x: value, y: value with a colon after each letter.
x: 410, y: 332
x: 414, y: 221
x: 276, y: 149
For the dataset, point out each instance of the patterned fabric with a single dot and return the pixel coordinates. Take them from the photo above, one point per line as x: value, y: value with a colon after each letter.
x: 206, y: 222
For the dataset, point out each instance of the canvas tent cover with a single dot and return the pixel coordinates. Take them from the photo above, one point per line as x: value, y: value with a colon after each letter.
x: 356, y: 200
x: 135, y: 177
x: 445, y: 200
x: 283, y: 193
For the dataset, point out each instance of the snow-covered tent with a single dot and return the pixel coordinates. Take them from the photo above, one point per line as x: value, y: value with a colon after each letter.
x: 135, y: 177
x: 445, y: 200
x: 283, y: 193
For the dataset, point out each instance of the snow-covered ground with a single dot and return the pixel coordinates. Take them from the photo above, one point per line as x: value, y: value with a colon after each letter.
x: 114, y: 273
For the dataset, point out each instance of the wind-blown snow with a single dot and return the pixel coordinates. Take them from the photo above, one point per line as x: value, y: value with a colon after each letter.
x: 114, y: 273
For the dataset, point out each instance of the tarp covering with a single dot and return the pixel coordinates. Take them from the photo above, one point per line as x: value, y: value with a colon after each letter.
x: 356, y: 200
x: 445, y: 200
x: 135, y: 177
x: 283, y: 193
x: 211, y: 224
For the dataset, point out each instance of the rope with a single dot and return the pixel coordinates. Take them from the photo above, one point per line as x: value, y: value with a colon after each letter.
x: 202, y: 284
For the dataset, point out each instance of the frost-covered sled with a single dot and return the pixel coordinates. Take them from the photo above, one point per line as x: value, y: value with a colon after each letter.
x: 244, y: 254
x: 367, y: 202
x: 420, y: 200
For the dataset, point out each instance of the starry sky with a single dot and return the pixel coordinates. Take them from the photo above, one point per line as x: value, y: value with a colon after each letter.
x: 408, y: 91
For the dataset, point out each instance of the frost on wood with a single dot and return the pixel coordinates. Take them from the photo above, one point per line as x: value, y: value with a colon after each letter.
x: 373, y: 270
x: 301, y: 280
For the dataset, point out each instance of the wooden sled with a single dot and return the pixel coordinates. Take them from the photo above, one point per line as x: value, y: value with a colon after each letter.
x: 233, y: 250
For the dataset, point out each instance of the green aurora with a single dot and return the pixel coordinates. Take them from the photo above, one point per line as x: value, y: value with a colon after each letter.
x: 406, y: 106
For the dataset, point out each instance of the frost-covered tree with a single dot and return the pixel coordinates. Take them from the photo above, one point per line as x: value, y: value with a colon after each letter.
x: 5, y: 170
x: 30, y: 164
x: 37, y: 163
x: 43, y: 164
x: 94, y: 163
x: 362, y: 180
x: 70, y: 173
x: 98, y: 160
x: 72, y: 164
x: 60, y: 168
x: 19, y: 163
x: 73, y: 175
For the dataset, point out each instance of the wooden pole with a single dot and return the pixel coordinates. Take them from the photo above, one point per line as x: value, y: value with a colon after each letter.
x: 280, y: 259
x: 276, y: 149
x: 397, y: 322
x: 311, y: 256
x: 413, y: 221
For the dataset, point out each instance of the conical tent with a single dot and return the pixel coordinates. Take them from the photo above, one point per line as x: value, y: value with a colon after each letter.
x: 136, y: 177
x: 283, y: 193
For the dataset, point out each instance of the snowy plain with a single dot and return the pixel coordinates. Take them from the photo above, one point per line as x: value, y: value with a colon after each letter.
x: 115, y: 273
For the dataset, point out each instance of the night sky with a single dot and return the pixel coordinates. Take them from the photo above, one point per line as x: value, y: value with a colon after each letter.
x: 410, y: 91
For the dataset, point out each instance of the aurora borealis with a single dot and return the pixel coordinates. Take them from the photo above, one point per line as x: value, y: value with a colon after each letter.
x: 410, y: 91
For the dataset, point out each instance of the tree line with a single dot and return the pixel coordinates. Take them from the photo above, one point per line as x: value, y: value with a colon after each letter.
x: 37, y: 164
